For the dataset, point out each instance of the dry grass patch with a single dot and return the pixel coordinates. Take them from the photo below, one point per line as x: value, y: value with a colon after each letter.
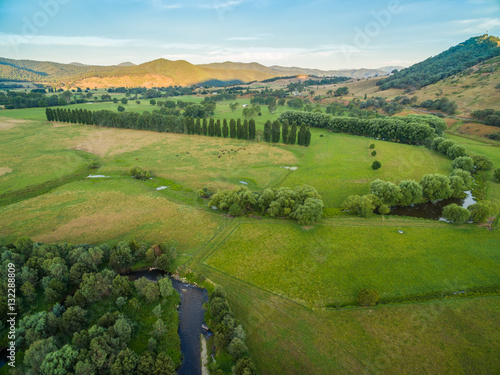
x: 5, y: 170
x: 87, y: 212
x: 8, y: 123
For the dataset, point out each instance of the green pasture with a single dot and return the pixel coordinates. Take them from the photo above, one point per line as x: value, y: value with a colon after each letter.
x: 339, y: 165
x: 333, y: 261
x: 456, y: 336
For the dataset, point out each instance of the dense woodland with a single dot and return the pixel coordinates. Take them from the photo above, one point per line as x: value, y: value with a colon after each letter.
x: 448, y: 63
x: 77, y: 314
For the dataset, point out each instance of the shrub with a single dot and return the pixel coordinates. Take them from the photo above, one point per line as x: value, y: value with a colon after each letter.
x: 235, y: 210
x: 480, y: 211
x: 376, y: 165
x: 496, y: 174
x: 368, y: 297
x: 463, y: 162
x: 121, y: 109
x: 374, y: 153
x: 456, y: 214
x: 372, y: 145
x: 482, y: 163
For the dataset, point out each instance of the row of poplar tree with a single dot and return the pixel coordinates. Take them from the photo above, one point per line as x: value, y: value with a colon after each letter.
x: 246, y: 129
x: 275, y: 130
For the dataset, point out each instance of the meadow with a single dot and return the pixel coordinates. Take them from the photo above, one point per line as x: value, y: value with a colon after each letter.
x: 332, y: 262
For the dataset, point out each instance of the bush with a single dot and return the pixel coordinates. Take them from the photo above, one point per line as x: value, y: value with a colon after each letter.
x: 496, y: 174
x: 376, y: 165
x: 480, y: 211
x: 456, y: 214
x: 368, y: 297
x: 121, y: 109
x: 374, y: 153
x: 235, y: 210
x: 463, y: 162
x: 482, y: 163
x: 372, y: 145
x: 139, y: 174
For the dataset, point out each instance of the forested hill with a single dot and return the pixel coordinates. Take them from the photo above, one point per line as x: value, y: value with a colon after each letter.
x: 40, y: 71
x: 448, y: 63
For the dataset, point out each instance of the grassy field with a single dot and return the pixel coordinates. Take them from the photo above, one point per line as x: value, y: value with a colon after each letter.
x: 333, y: 261
x: 450, y: 336
x: 341, y: 165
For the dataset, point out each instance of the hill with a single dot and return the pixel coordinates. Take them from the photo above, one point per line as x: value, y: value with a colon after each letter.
x: 351, y: 73
x: 160, y: 72
x: 447, y: 63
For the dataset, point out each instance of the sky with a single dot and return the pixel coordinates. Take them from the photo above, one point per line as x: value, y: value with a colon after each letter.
x: 322, y: 34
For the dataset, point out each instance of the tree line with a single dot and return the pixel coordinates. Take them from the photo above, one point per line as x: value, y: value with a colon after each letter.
x: 92, y: 315
x: 303, y: 203
x: 237, y: 129
x: 408, y: 129
x: 229, y: 336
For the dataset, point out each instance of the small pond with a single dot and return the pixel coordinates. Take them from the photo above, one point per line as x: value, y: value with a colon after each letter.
x: 432, y: 210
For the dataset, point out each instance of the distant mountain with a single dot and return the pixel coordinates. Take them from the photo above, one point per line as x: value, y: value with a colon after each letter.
x: 447, y: 63
x: 351, y: 73
x: 77, y: 64
x: 127, y: 63
x: 389, y: 69
x: 228, y: 65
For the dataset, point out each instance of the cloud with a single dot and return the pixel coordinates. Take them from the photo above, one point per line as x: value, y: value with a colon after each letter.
x: 84, y: 41
x: 203, y: 4
x: 475, y: 25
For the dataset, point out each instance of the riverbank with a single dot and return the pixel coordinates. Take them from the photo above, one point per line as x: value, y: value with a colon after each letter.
x: 204, y: 356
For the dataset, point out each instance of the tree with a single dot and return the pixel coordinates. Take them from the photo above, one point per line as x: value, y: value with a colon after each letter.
x: 60, y: 362
x: 225, y: 129
x: 480, y: 211
x: 146, y: 364
x: 126, y: 363
x: 482, y: 163
x: 292, y: 136
x: 121, y: 286
x: 237, y: 348
x: 267, y: 131
x: 239, y: 130
x: 307, y: 140
x: 309, y: 212
x: 124, y: 101
x: 235, y: 210
x: 218, y: 130
x: 435, y: 186
x: 456, y: 151
x: 120, y: 108
x: 163, y: 262
x: 463, y: 162
x: 360, y: 206
x: 204, y: 129
x: 120, y: 258
x: 456, y: 214
x: 164, y: 365
x: 376, y: 165
x: 74, y: 319
x: 233, y: 107
x: 122, y: 330
x: 388, y: 192
x: 244, y: 366
x: 159, y: 328
x: 244, y: 130
x: 284, y: 132
x: 251, y: 129
x: 301, y: 137
x: 272, y: 108
x: 368, y: 297
x: 232, y: 129
x: 36, y: 353
x: 496, y: 174
x: 411, y: 192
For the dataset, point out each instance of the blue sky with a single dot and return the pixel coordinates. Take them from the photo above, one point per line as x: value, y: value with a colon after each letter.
x: 324, y: 34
